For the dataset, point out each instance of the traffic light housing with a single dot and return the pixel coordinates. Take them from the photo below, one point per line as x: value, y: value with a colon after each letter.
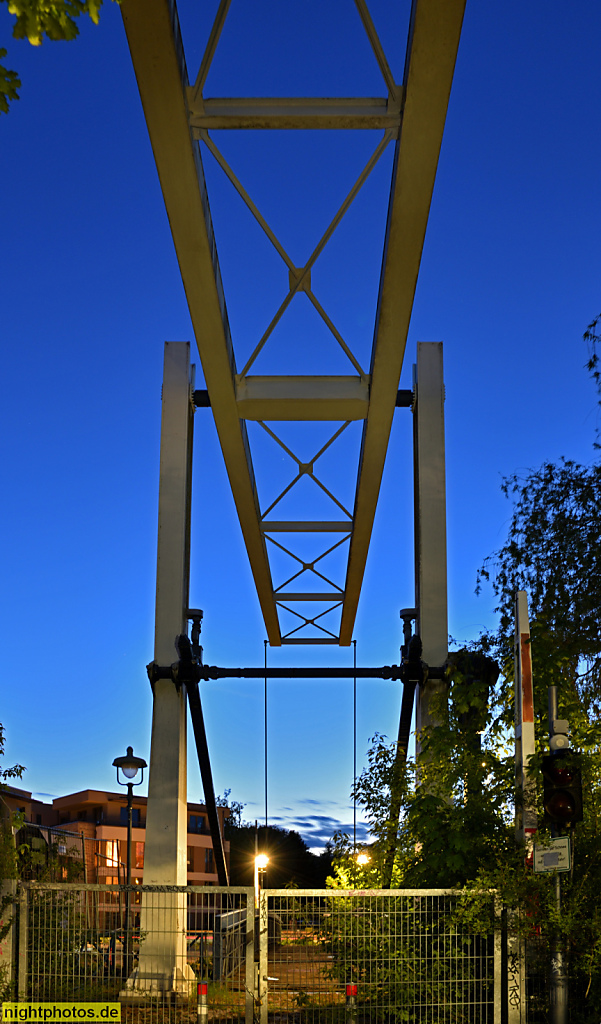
x: 562, y: 793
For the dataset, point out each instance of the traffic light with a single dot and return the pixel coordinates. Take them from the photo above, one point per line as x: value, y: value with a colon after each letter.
x: 562, y: 794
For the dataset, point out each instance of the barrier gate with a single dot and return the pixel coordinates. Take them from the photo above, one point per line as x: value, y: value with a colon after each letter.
x: 310, y: 955
x: 373, y: 955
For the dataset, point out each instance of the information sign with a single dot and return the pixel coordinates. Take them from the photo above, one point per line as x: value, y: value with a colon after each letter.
x: 555, y: 857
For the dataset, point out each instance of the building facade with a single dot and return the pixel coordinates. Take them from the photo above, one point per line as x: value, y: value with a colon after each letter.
x: 97, y: 822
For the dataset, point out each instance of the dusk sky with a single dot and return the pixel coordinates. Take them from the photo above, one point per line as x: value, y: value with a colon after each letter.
x: 90, y: 290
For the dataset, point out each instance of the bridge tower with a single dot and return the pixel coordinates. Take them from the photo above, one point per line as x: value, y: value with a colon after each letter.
x: 407, y: 117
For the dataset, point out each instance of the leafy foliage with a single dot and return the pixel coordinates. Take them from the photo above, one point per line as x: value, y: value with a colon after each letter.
x: 9, y: 83
x: 291, y: 863
x: 406, y: 956
x: 456, y: 826
x: 55, y: 19
x: 592, y: 337
x: 59, y: 968
x: 8, y: 773
x: 536, y: 920
x: 553, y: 551
x: 234, y: 819
x: 454, y: 822
x: 456, y: 831
x: 38, y: 19
x: 8, y: 861
x: 8, y: 856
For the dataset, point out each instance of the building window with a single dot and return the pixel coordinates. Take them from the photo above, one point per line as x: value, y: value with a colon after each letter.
x: 111, y: 853
x: 209, y: 861
x: 139, y: 855
x: 135, y: 816
x: 38, y: 819
x: 81, y: 815
x: 197, y: 823
x: 110, y: 897
x: 190, y: 860
x: 97, y: 815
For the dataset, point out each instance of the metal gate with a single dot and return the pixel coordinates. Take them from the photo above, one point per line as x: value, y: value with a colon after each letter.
x: 374, y: 955
x: 324, y: 955
x: 73, y: 943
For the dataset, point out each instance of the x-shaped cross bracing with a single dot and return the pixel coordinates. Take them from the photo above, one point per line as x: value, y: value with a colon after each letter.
x: 413, y: 114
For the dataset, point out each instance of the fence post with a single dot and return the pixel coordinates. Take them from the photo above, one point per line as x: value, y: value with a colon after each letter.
x: 251, y: 974
x: 23, y: 942
x: 263, y: 954
x: 8, y: 889
x: 202, y: 1006
x: 516, y: 972
x: 498, y: 961
x: 351, y: 1002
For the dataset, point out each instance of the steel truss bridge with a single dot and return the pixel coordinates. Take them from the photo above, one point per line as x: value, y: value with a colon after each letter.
x: 309, y: 607
x: 408, y: 116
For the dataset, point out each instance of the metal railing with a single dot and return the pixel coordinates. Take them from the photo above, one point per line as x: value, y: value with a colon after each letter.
x: 324, y: 956
x: 69, y: 949
x: 376, y: 955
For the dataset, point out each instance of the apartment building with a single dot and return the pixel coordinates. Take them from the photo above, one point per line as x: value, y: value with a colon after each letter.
x: 97, y: 820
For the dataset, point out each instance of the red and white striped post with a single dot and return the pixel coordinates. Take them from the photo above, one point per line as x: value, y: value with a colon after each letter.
x: 526, y: 820
x: 202, y: 1002
x: 351, y: 1001
x: 525, y: 810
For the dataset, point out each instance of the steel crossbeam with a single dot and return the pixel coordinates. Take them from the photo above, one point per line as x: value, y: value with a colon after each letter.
x: 411, y: 114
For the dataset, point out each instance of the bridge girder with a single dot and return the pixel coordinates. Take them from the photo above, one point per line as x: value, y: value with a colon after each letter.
x: 411, y: 115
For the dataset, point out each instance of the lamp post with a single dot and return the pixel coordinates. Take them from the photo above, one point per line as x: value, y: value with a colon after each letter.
x: 129, y: 767
x: 261, y: 862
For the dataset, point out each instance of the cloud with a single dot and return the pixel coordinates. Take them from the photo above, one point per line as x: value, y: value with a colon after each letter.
x: 317, y: 803
x: 318, y: 829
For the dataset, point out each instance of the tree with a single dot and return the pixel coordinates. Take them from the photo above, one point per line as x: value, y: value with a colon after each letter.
x: 290, y: 860
x: 291, y: 863
x: 456, y: 831
x: 39, y: 19
x: 458, y: 818
x: 592, y: 337
x: 553, y: 552
x: 8, y: 862
x: 234, y: 818
x: 457, y: 824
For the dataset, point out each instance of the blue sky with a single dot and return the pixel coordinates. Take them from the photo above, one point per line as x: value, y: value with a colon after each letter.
x: 90, y: 290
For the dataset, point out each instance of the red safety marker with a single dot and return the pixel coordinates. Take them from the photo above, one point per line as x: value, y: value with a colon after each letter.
x: 351, y: 1001
x: 202, y: 1005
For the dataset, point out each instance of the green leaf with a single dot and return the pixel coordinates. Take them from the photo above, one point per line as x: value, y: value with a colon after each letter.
x: 9, y: 83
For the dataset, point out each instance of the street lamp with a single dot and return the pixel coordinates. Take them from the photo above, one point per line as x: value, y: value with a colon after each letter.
x: 261, y: 862
x: 129, y: 767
